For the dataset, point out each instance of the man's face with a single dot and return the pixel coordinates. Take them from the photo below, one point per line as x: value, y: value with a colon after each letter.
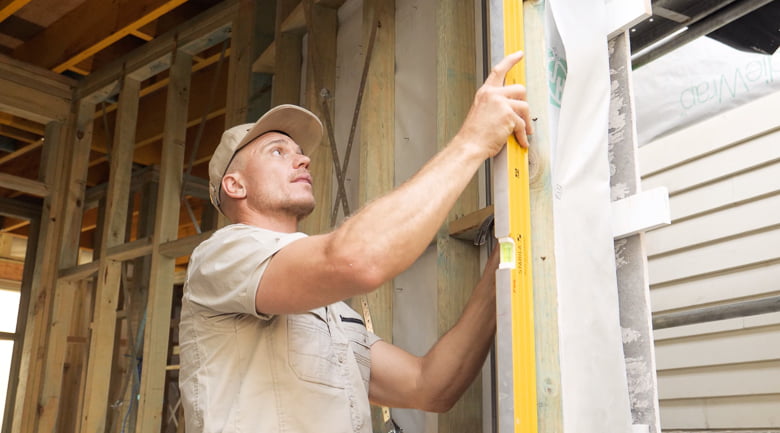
x: 276, y: 175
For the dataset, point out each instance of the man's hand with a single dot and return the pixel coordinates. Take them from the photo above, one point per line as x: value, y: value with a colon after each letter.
x: 498, y: 111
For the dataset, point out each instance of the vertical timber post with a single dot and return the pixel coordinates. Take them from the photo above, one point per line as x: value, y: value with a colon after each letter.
x: 322, y: 23
x: 286, y: 87
x: 114, y: 224
x: 457, y: 260
x: 377, y: 144
x: 58, y: 144
x: 166, y: 221
x: 548, y: 369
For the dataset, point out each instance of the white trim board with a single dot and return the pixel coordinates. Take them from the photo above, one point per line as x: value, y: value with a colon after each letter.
x: 640, y: 212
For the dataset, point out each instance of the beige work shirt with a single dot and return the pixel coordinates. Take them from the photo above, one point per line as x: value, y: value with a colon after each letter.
x: 242, y: 371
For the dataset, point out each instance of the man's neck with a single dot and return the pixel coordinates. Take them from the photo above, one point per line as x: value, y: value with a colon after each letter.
x: 284, y: 224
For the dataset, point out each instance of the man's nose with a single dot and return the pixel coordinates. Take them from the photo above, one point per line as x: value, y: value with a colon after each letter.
x: 301, y: 161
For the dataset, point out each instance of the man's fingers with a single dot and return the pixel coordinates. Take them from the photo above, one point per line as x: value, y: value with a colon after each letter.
x: 513, y: 91
x: 523, y: 110
x: 520, y: 132
x: 498, y: 74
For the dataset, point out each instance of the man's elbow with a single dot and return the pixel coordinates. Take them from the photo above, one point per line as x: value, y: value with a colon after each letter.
x: 439, y: 404
x: 363, y: 275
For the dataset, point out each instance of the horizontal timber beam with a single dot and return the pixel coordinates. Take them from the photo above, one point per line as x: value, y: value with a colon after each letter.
x: 9, y: 7
x: 33, y: 93
x: 21, y: 124
x: 18, y: 209
x: 192, y: 37
x: 21, y: 184
x: 135, y: 249
x: 58, y: 47
x: 26, y: 149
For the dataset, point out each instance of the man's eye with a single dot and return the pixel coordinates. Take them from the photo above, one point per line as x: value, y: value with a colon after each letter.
x: 276, y: 152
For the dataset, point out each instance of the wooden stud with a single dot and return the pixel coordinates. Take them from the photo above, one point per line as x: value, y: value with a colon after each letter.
x: 64, y: 148
x: 237, y: 105
x: 239, y: 78
x: 286, y: 61
x: 320, y: 73
x: 158, y: 313
x: 25, y: 290
x: 377, y: 145
x: 548, y: 370
x: 76, y: 360
x: 110, y: 271
x: 136, y: 306
x: 458, y: 261
x: 59, y: 328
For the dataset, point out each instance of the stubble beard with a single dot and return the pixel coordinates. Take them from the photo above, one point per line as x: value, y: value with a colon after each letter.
x: 301, y: 210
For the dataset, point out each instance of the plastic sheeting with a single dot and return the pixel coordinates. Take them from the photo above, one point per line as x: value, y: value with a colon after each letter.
x: 697, y: 81
x: 593, y: 379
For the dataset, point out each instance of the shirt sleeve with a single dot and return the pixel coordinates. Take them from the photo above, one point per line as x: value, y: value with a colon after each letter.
x: 225, y: 270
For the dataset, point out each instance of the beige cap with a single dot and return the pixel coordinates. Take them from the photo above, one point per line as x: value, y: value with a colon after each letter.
x: 299, y: 123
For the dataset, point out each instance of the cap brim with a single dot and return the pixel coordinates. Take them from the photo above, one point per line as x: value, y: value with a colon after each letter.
x: 300, y: 124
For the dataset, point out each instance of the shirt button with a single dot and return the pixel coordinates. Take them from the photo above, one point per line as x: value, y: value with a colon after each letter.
x: 341, y: 358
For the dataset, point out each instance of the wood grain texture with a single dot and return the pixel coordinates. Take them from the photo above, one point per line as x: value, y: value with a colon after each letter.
x: 458, y: 261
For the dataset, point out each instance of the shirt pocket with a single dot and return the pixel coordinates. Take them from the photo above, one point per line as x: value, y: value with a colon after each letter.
x: 359, y: 343
x: 312, y: 355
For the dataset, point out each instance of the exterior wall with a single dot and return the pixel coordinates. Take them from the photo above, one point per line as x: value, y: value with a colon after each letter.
x: 723, y: 246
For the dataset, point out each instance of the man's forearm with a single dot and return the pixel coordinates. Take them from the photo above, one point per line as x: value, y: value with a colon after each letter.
x: 405, y: 220
x: 456, y: 359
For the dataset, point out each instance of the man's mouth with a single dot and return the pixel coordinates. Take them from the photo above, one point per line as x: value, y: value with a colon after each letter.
x: 303, y: 178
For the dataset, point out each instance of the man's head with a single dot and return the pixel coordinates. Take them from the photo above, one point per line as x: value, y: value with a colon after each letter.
x: 285, y: 124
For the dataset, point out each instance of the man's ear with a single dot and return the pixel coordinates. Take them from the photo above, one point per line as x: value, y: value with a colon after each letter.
x: 233, y: 187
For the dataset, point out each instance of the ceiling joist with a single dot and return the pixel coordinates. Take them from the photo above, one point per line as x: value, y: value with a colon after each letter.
x: 9, y: 7
x: 89, y: 28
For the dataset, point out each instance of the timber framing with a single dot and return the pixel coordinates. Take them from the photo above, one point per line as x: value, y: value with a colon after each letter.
x: 48, y: 343
x: 82, y: 319
x: 458, y: 269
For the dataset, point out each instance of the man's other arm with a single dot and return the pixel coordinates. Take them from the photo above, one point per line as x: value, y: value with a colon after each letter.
x: 436, y: 381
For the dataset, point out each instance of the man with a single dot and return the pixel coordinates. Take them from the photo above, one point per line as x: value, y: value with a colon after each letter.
x: 266, y: 343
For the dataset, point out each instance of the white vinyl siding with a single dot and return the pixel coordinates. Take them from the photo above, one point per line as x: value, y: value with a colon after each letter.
x: 723, y: 246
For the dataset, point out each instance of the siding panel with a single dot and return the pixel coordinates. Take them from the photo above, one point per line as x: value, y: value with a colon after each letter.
x: 719, y: 288
x: 752, y: 216
x: 749, y: 412
x: 738, y: 157
x: 722, y: 380
x: 723, y: 246
x: 743, y: 251
x: 748, y: 345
